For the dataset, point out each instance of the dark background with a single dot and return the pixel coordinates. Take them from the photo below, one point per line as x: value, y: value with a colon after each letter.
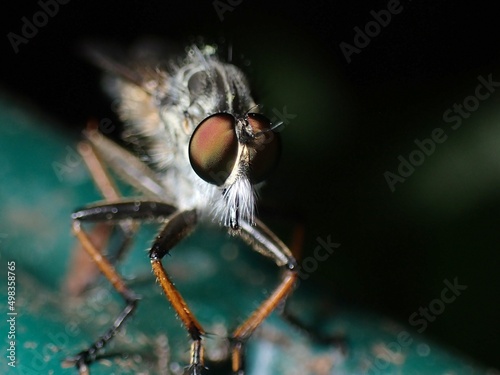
x: 352, y: 122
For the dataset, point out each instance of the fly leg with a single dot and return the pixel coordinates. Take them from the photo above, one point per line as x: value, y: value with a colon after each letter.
x: 112, y: 212
x: 296, y: 247
x: 89, y: 355
x: 83, y: 271
x: 178, y: 227
x: 267, y: 243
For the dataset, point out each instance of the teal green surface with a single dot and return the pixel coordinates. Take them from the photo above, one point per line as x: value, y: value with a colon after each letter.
x: 43, y: 181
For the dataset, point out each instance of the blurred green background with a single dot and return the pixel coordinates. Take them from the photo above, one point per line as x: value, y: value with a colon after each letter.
x: 350, y: 123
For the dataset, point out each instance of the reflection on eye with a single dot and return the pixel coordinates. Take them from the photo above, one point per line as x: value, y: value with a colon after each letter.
x: 213, y: 148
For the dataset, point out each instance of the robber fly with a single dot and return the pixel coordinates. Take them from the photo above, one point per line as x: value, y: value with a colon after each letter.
x: 208, y: 149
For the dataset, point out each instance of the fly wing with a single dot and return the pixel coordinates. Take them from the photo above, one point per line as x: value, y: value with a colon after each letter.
x: 138, y: 82
x: 139, y: 64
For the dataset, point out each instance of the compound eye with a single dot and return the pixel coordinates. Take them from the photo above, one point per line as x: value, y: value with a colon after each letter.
x: 213, y: 148
x: 267, y: 145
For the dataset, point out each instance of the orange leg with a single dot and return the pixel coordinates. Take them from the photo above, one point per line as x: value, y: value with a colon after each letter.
x: 82, y: 270
x: 245, y: 330
x: 178, y: 227
x: 89, y: 355
x: 265, y: 242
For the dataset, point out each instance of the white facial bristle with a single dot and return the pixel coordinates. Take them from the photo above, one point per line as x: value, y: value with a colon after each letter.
x: 241, y: 195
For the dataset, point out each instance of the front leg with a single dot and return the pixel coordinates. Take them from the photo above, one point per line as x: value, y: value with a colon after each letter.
x: 178, y: 227
x: 267, y: 243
